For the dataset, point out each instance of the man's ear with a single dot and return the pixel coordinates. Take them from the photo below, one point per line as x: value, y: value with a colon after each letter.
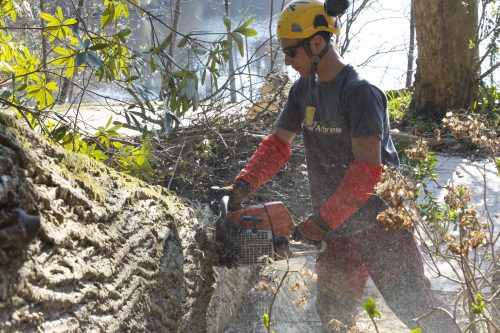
x: 317, y: 44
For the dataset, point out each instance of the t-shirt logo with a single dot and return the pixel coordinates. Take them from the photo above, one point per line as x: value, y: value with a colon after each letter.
x: 311, y: 125
x: 309, y: 116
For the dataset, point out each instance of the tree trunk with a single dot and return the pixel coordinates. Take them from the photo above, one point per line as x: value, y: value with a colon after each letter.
x: 67, y: 83
x: 44, y: 39
x: 411, y: 52
x: 271, y: 36
x: 232, y: 82
x: 447, y: 64
x: 175, y: 16
x: 175, y: 24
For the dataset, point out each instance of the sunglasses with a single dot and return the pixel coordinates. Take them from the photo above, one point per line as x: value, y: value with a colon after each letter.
x: 291, y: 51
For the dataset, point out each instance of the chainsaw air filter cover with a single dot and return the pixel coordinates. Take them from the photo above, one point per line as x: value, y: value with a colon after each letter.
x: 254, y: 234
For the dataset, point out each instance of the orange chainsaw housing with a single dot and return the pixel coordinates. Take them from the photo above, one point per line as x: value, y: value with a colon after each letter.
x: 271, y: 216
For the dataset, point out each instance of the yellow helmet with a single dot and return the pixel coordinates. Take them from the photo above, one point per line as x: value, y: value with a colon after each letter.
x: 303, y: 18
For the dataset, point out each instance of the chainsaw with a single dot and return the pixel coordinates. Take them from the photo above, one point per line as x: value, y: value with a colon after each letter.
x: 252, y: 235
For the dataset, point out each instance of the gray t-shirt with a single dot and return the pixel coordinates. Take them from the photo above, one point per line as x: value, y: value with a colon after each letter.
x: 347, y: 106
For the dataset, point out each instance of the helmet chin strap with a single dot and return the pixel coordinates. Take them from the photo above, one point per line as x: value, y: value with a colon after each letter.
x: 315, y: 58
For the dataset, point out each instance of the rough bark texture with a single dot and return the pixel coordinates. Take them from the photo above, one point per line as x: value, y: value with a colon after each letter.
x: 231, y: 292
x: 113, y: 254
x: 447, y: 65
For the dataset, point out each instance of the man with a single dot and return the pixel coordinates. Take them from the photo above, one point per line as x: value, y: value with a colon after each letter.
x: 344, y: 123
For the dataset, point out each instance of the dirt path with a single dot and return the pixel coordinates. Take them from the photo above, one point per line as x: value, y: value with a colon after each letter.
x: 293, y: 309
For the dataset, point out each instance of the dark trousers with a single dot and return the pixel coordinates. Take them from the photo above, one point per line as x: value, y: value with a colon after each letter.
x: 390, y: 257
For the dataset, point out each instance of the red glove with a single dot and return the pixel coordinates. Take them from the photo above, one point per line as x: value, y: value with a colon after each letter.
x: 265, y: 162
x: 312, y: 230
x: 356, y: 188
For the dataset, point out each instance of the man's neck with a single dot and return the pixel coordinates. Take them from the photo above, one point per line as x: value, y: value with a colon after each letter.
x: 330, y: 66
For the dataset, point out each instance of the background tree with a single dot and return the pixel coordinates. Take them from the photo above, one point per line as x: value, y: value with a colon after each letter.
x: 63, y: 95
x: 411, y: 52
x: 232, y: 82
x: 448, y: 59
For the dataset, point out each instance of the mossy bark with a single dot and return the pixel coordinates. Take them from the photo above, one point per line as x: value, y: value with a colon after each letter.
x: 113, y: 253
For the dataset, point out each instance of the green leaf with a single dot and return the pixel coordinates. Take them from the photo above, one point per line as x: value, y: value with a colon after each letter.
x: 70, y: 21
x: 471, y: 44
x: 190, y: 89
x: 182, y: 42
x: 371, y: 308
x: 134, y: 119
x: 59, y: 133
x: 498, y: 166
x: 56, y: 25
x: 59, y: 13
x: 140, y: 160
x: 22, y: 87
x: 239, y: 41
x: 227, y: 22
x: 107, y: 15
x: 6, y: 94
x: 86, y: 43
x: 133, y: 78
x: 245, y: 25
x: 249, y: 32
x: 196, y: 100
x: 94, y: 59
x: 166, y: 42
x: 62, y: 50
x: 124, y: 33
x: 40, y: 91
x: 115, y: 127
x: 138, y: 114
x: 127, y: 118
x: 109, y: 122
x: 168, y: 118
x: 478, y: 305
x: 204, y: 75
x: 200, y: 51
x: 99, y: 155
x: 48, y: 17
x: 152, y: 63
x: 416, y: 330
x: 81, y: 44
x: 265, y: 320
x: 98, y: 47
x: 80, y: 59
x: 141, y: 90
x: 70, y: 67
x: 180, y: 73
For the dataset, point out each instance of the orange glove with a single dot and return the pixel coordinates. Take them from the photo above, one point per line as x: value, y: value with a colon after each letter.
x: 355, y: 189
x: 312, y: 230
x: 269, y: 157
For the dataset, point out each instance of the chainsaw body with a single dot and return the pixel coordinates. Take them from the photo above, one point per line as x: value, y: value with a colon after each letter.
x: 252, y: 235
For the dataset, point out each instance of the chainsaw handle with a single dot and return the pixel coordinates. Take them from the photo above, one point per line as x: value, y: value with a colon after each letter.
x: 218, y: 200
x: 319, y: 249
x: 223, y: 204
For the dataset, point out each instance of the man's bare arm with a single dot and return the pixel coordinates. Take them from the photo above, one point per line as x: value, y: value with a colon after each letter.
x: 284, y: 135
x: 367, y: 149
